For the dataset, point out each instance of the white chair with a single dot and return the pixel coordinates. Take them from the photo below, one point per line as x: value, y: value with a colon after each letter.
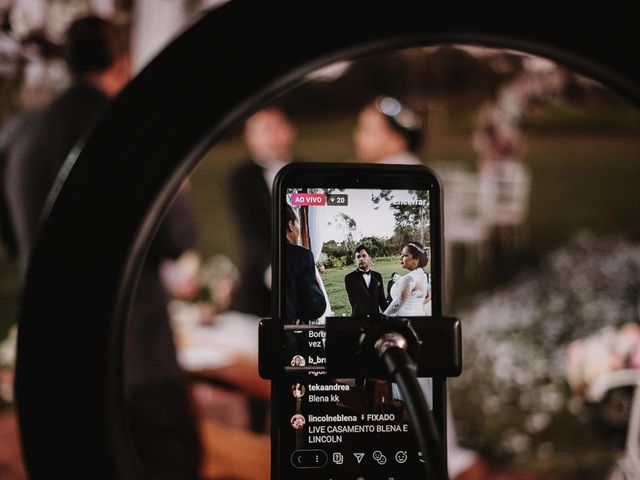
x: 467, y: 210
x: 510, y: 185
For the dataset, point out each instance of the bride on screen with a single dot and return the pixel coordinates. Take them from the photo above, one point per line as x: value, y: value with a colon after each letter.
x: 409, y: 296
x: 412, y: 291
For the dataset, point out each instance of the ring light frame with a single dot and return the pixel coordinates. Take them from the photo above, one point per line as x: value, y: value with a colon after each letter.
x: 85, y: 261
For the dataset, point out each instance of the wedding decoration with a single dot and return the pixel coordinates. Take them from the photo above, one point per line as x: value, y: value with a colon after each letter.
x: 517, y: 340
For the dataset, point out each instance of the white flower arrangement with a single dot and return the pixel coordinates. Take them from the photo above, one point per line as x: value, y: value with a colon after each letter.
x: 7, y: 364
x: 517, y: 342
x: 8, y: 349
x: 608, y: 350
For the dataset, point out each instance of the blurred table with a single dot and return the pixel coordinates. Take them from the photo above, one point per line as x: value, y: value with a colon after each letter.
x: 224, y: 353
x: 241, y: 374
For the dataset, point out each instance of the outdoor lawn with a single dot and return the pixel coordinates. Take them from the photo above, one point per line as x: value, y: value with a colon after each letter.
x: 333, y: 280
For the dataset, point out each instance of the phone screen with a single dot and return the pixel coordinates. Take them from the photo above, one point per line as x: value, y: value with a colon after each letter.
x: 350, y: 250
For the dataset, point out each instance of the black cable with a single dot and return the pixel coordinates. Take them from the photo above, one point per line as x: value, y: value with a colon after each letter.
x: 403, y: 371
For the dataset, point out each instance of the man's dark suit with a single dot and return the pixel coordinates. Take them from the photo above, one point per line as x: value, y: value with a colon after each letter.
x: 365, y: 300
x: 304, y: 298
x: 254, y: 226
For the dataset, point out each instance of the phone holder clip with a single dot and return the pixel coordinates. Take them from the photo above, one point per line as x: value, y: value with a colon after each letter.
x: 435, y: 344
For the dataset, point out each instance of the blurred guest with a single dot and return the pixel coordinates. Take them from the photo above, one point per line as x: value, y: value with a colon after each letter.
x: 97, y: 54
x: 7, y: 228
x: 269, y: 137
x: 395, y: 276
x: 388, y: 132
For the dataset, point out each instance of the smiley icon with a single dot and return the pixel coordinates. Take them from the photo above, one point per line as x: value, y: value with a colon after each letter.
x: 401, y: 456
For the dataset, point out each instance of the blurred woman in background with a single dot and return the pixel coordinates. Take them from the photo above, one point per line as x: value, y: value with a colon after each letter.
x: 388, y: 132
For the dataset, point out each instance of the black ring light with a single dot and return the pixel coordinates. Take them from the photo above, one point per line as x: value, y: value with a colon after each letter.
x: 84, y: 264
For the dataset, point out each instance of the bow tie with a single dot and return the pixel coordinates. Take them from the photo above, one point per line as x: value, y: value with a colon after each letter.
x: 362, y: 272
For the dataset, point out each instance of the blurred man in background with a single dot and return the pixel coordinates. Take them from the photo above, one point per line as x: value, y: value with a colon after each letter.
x: 269, y: 137
x: 35, y: 146
x: 34, y: 149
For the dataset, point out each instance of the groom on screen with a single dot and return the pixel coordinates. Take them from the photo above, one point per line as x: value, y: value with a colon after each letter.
x: 364, y: 287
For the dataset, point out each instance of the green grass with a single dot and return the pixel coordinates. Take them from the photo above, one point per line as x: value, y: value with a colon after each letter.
x: 333, y: 280
x: 583, y: 181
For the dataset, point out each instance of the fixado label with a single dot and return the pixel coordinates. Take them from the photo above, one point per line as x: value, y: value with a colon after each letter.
x: 308, y: 199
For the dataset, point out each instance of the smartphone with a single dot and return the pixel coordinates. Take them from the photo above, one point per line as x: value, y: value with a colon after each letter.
x: 353, y: 240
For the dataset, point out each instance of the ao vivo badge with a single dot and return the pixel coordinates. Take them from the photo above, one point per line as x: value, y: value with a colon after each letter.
x: 308, y: 199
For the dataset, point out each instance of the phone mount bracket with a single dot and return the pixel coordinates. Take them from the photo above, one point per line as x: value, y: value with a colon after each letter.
x: 435, y: 344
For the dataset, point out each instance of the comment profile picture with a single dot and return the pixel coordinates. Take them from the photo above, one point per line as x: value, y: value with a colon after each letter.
x: 298, y: 361
x: 298, y: 390
x: 297, y: 421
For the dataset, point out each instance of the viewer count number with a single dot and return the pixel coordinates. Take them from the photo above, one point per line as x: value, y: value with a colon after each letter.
x: 338, y: 199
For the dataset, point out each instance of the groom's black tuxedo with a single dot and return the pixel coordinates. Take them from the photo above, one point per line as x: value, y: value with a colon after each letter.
x: 365, y: 300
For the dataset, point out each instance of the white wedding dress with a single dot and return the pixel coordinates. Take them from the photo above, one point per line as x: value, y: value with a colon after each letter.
x: 407, y: 300
x: 408, y: 294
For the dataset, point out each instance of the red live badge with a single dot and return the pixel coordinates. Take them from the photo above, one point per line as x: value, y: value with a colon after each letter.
x: 308, y: 199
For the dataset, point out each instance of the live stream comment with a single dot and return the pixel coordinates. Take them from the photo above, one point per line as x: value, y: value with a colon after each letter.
x: 330, y: 428
x: 316, y: 340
